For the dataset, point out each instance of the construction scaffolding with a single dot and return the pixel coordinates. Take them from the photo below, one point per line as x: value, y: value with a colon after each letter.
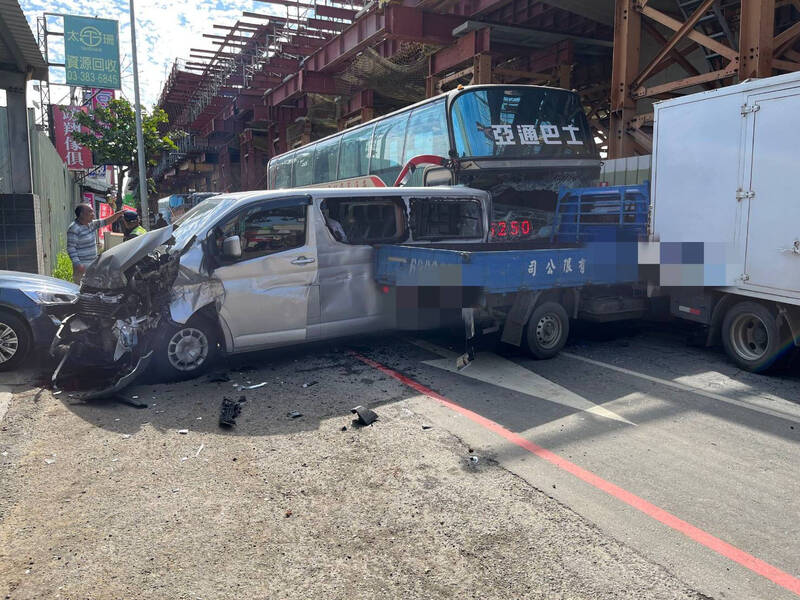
x: 302, y: 69
x: 700, y: 44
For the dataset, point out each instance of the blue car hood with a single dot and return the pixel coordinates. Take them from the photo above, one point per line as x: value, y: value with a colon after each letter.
x: 28, y: 281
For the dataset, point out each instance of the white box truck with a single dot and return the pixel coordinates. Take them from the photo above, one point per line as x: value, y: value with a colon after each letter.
x: 726, y: 210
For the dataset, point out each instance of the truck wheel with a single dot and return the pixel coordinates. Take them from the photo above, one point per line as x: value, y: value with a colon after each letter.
x: 186, y: 351
x: 752, y: 337
x: 547, y: 330
x: 15, y: 340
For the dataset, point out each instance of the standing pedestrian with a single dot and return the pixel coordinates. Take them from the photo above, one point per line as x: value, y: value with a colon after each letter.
x: 131, y: 226
x: 82, y: 239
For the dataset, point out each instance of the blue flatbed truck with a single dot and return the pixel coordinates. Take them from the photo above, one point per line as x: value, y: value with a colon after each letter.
x: 587, y: 269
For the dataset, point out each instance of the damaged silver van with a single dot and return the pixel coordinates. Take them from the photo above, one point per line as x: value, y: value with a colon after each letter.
x: 252, y: 270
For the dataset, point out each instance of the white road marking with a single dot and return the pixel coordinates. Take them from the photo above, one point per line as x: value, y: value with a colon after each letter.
x: 693, y: 389
x: 496, y: 370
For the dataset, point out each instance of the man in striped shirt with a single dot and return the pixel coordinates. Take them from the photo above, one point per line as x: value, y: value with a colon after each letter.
x: 82, y: 239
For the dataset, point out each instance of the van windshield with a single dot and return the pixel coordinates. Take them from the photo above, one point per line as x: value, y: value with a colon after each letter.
x: 194, y: 221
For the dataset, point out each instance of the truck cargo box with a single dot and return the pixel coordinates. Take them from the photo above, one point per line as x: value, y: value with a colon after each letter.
x: 725, y: 188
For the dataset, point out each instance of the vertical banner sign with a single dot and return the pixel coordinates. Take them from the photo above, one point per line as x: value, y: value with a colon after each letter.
x: 104, y: 211
x: 74, y: 156
x: 91, y: 52
x: 94, y: 97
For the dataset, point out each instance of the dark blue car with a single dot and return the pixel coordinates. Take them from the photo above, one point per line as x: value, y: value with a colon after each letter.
x: 24, y: 321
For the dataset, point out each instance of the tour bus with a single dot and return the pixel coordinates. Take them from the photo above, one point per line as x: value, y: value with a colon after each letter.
x: 521, y: 143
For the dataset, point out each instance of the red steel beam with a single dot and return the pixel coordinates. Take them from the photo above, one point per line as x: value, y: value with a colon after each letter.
x: 304, y: 82
x: 364, y: 99
x: 466, y: 47
x: 230, y: 36
x: 333, y: 12
x: 325, y: 25
x: 309, y: 41
x: 416, y: 26
x: 301, y: 50
x: 756, y: 33
x: 243, y: 25
x: 395, y: 22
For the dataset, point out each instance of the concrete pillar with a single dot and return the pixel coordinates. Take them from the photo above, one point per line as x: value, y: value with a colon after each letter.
x: 18, y: 140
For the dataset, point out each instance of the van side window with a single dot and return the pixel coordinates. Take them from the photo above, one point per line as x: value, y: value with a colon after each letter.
x: 365, y: 220
x: 438, y: 218
x: 264, y: 231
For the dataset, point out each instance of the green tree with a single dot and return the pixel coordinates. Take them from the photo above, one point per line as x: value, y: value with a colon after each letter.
x: 111, y: 137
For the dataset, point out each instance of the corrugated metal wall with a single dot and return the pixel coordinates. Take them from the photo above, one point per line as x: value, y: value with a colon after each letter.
x: 58, y: 194
x: 5, y: 154
x: 634, y: 170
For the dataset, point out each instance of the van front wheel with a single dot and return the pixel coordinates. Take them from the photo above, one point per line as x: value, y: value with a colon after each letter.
x: 188, y: 350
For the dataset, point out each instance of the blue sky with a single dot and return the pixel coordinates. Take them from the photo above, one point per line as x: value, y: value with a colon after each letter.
x: 165, y: 30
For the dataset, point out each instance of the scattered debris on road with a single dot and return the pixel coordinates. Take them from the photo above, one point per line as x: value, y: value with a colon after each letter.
x: 294, y: 414
x: 306, y: 385
x: 255, y: 386
x: 366, y: 416
x: 183, y: 431
x: 229, y: 411
x: 130, y: 402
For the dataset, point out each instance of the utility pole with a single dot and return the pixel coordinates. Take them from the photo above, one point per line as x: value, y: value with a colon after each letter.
x: 139, y: 136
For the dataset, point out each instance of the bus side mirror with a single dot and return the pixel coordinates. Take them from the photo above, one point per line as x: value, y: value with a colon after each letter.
x: 435, y: 175
x: 232, y: 247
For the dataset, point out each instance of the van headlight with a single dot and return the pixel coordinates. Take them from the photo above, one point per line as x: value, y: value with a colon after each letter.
x: 42, y: 297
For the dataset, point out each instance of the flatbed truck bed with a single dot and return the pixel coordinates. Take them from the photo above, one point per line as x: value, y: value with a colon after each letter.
x: 530, y: 289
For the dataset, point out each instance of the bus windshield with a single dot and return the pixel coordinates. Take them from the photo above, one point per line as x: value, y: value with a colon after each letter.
x: 520, y: 123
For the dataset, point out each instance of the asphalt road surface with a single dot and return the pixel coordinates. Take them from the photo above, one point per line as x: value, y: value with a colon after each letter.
x: 667, y: 447
x: 685, y: 465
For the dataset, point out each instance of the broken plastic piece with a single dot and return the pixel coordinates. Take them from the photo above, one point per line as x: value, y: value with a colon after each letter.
x: 305, y: 385
x: 183, y: 431
x: 253, y: 387
x: 366, y: 416
x: 295, y: 415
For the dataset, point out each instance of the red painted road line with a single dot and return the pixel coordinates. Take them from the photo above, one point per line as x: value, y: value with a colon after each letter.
x: 758, y: 566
